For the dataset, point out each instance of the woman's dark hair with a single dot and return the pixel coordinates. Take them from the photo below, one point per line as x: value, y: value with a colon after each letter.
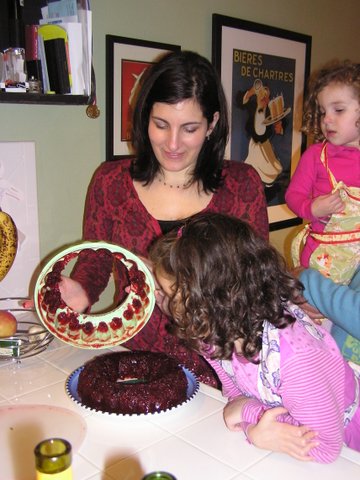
x: 334, y: 72
x: 228, y: 280
x: 179, y: 76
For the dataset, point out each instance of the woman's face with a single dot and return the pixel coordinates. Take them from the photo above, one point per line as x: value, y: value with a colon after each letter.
x: 177, y: 133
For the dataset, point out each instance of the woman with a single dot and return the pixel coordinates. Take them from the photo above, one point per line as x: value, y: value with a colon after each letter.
x: 180, y: 130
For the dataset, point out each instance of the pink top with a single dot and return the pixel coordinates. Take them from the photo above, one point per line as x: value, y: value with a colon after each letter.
x: 316, y: 385
x: 310, y: 180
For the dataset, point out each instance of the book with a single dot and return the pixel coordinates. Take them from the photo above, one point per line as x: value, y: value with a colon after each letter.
x: 31, y: 42
x: 44, y: 70
x: 77, y: 32
x: 34, y: 70
x: 57, y: 65
x: 33, y: 62
x: 85, y: 18
x: 75, y: 50
x: 49, y: 32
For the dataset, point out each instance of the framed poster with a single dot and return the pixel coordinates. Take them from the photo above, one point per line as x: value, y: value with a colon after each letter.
x: 264, y: 71
x: 126, y: 61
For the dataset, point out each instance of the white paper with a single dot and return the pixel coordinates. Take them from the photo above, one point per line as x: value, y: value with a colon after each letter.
x: 80, y: 48
x: 18, y: 198
x: 85, y: 17
x: 75, y: 42
x: 62, y: 8
x: 56, y: 20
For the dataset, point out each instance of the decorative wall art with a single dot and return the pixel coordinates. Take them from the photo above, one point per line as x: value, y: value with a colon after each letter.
x: 126, y: 61
x: 264, y: 71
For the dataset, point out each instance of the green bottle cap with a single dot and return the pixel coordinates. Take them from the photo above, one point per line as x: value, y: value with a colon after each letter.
x: 159, y: 476
x: 52, y: 455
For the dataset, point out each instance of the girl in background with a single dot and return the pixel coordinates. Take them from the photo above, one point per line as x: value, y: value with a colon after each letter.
x: 325, y: 189
x: 233, y: 301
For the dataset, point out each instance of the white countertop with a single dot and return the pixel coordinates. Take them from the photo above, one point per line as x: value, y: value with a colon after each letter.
x: 191, y: 441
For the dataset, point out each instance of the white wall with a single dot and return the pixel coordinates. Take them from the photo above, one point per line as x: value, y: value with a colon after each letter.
x: 69, y: 145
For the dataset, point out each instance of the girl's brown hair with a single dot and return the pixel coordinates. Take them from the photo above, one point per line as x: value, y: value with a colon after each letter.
x: 346, y: 73
x: 227, y: 281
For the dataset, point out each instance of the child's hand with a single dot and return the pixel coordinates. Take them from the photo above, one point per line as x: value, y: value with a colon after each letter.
x: 325, y: 205
x: 232, y: 413
x: 270, y: 434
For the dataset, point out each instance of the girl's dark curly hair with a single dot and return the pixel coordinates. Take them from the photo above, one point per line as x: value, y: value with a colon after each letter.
x: 346, y: 73
x: 227, y: 281
x: 179, y: 76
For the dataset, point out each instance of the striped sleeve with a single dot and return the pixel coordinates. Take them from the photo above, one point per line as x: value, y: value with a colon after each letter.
x: 253, y: 408
x: 313, y: 391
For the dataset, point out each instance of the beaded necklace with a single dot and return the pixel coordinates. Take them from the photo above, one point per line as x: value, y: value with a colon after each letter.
x: 181, y: 186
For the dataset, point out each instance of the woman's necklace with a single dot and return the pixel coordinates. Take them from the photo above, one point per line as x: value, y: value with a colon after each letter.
x: 170, y: 185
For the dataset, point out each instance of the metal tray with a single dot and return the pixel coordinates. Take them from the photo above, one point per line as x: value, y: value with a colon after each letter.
x: 31, y: 337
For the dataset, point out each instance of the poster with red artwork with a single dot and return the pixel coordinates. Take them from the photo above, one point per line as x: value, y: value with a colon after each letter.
x: 127, y: 59
x: 131, y: 73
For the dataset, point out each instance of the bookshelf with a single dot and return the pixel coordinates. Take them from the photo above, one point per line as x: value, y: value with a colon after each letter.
x: 16, y: 16
x: 42, y: 99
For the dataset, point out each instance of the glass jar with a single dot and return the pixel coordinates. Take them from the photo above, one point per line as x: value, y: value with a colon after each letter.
x: 53, y: 459
x: 2, y: 68
x: 14, y: 66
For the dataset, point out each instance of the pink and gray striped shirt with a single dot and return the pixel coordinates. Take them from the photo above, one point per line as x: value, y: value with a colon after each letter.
x: 316, y: 386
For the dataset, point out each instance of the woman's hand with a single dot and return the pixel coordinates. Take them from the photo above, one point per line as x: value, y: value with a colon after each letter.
x: 270, y: 434
x: 28, y: 304
x: 73, y: 294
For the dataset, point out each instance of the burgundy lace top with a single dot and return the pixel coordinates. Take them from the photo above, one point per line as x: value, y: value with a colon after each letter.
x: 114, y: 213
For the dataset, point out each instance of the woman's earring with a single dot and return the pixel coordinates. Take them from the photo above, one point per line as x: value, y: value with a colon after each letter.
x: 208, y: 136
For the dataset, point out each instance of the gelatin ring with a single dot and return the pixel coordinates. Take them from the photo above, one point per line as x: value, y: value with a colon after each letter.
x: 98, y: 330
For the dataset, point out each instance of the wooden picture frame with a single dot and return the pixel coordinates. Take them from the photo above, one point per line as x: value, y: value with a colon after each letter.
x: 126, y: 61
x: 264, y: 71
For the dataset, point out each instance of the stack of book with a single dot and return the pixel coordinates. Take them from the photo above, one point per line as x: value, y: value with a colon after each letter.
x: 58, y: 48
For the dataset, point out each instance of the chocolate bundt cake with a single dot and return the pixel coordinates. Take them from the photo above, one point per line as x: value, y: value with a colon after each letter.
x: 132, y: 383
